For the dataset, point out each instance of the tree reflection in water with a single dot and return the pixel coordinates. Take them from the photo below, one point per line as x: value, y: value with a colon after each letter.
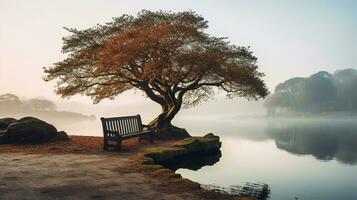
x: 259, y: 191
x: 324, y: 139
x: 194, y: 161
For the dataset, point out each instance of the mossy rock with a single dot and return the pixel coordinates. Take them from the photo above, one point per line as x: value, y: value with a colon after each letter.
x: 196, y: 144
x: 171, y: 133
x: 159, y: 154
x: 180, y: 148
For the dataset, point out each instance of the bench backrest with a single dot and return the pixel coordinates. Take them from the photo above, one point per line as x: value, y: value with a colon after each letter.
x: 122, y: 125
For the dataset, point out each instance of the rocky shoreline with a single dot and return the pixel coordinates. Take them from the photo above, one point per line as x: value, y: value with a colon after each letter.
x: 182, y: 148
x: 143, y: 161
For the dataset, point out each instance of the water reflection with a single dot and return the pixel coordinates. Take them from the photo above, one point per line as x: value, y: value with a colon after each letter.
x: 259, y: 191
x: 195, y: 161
x: 325, y: 139
x: 254, y: 151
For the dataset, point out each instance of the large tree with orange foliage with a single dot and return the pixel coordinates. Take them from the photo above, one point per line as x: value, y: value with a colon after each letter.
x: 166, y: 55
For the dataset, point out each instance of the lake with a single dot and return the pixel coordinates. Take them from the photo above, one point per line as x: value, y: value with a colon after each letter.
x: 297, y: 158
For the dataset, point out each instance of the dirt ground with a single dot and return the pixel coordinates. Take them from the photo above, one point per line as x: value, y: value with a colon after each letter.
x: 77, y: 145
x: 75, y: 176
x: 79, y: 169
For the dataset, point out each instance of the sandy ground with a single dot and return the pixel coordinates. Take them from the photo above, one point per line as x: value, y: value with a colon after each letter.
x: 79, y: 169
x: 76, y: 176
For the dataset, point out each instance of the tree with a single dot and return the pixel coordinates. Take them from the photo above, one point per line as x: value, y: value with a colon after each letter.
x: 10, y: 99
x: 346, y: 83
x: 318, y: 92
x: 166, y: 55
x: 10, y: 102
x: 41, y: 105
x: 285, y: 96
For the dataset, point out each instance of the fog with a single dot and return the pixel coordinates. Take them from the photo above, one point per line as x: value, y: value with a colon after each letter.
x: 83, y: 118
x: 319, y: 93
x: 301, y: 140
x: 290, y: 39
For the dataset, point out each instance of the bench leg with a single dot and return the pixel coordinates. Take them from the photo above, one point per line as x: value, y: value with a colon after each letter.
x: 141, y: 137
x: 151, y: 135
x: 119, y: 145
x: 105, y: 144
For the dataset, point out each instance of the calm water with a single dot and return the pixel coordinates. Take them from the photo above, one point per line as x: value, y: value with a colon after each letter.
x: 297, y: 159
x: 304, y: 159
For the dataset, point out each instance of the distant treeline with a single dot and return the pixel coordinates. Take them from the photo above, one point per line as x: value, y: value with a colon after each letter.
x: 321, y: 92
x: 12, y: 106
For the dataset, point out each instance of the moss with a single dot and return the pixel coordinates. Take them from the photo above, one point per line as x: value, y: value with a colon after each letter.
x: 159, y: 154
x: 195, y: 144
x: 182, y: 147
x: 185, y: 142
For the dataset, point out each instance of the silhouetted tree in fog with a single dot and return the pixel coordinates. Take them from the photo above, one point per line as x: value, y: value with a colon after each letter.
x: 41, y: 105
x: 318, y: 93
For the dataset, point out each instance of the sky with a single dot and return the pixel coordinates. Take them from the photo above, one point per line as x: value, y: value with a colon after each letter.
x: 290, y: 38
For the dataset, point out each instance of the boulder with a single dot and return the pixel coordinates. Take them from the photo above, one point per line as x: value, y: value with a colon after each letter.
x: 5, y: 122
x: 197, y: 144
x: 2, y: 133
x: 160, y: 154
x: 171, y: 132
x: 61, y: 135
x: 31, y: 130
x: 184, y: 147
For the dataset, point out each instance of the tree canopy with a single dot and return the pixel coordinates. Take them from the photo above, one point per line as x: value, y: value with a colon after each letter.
x: 320, y: 92
x: 166, y: 55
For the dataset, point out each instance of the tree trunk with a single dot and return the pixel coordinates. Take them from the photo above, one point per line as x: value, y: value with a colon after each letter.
x: 163, y: 126
x: 170, y: 104
x: 163, y: 121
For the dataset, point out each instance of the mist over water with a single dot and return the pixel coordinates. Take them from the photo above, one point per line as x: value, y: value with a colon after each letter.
x: 313, y: 158
x: 304, y: 157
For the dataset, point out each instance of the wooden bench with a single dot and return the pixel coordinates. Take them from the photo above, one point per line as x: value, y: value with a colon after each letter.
x: 117, y: 129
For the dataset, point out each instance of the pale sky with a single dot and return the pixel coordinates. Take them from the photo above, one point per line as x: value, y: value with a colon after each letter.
x: 290, y: 38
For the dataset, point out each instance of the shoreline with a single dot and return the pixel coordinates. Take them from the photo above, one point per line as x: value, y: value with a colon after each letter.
x: 128, y: 160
